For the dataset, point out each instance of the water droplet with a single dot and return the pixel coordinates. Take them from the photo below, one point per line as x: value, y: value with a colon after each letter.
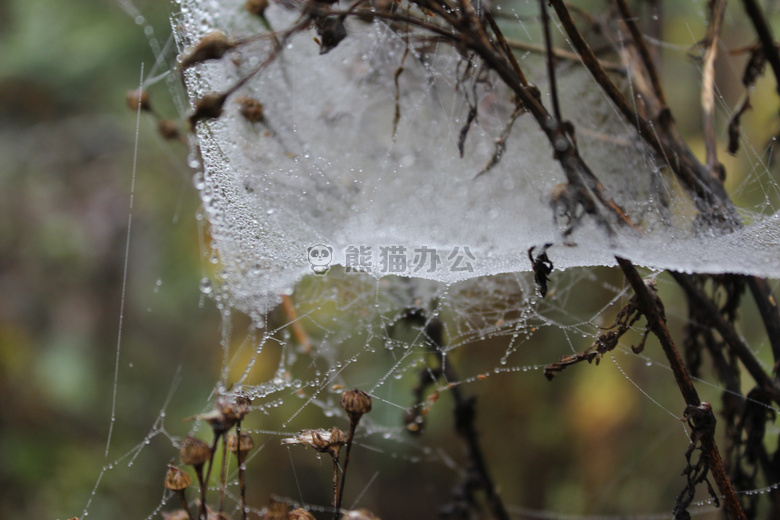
x: 205, y: 286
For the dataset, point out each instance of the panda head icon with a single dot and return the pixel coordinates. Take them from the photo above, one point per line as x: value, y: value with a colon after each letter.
x: 320, y: 256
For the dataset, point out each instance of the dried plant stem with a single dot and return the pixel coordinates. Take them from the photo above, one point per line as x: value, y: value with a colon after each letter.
x: 223, y: 476
x: 764, y: 32
x: 240, y: 462
x: 202, y: 483
x: 465, y: 415
x: 718, y: 9
x: 657, y: 323
x: 335, y: 503
x: 644, y: 52
x: 730, y: 336
x: 562, y: 54
x: 549, y: 60
x: 297, y: 328
x: 205, y: 480
x: 184, y: 504
x: 350, y: 436
x: 767, y: 308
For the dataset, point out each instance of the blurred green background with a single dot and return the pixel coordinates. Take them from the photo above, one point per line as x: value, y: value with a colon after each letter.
x: 66, y: 144
x: 588, y: 443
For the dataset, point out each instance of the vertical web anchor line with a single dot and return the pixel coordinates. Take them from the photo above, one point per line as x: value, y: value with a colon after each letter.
x: 126, y: 261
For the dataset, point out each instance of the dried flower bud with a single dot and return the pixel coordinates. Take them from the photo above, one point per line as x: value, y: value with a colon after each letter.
x: 136, y: 98
x: 355, y: 403
x: 244, y: 443
x: 212, y: 47
x: 256, y: 7
x: 208, y: 107
x: 194, y: 451
x: 168, y: 129
x: 251, y: 109
x: 176, y: 479
x: 300, y: 514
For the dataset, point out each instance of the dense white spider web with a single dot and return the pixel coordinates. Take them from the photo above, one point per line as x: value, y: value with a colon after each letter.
x: 324, y: 168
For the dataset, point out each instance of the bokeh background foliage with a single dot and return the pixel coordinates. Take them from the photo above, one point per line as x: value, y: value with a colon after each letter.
x: 582, y: 444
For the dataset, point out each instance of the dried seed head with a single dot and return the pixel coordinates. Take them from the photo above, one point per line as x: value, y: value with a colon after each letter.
x: 236, y: 409
x: 176, y: 479
x: 256, y: 7
x: 244, y: 443
x: 178, y: 514
x: 324, y: 441
x: 355, y: 403
x: 168, y: 129
x: 136, y: 98
x: 194, y: 451
x: 360, y: 514
x: 251, y: 109
x: 276, y: 510
x: 208, y: 107
x: 300, y: 514
x: 212, y: 47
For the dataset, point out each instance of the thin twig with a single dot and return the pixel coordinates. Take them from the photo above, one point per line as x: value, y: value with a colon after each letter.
x: 644, y: 52
x: 562, y: 54
x: 657, y: 324
x: 764, y: 32
x: 549, y: 60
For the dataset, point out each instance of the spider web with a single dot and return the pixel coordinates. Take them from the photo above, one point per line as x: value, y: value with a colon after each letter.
x: 327, y: 166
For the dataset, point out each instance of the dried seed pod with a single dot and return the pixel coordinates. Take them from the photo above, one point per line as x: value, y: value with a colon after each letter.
x: 178, y: 514
x: 300, y: 514
x: 136, y: 98
x: 176, y: 479
x: 256, y: 7
x: 168, y: 129
x: 208, y: 107
x: 194, y: 451
x: 251, y: 109
x: 355, y: 403
x: 212, y: 47
x: 244, y: 443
